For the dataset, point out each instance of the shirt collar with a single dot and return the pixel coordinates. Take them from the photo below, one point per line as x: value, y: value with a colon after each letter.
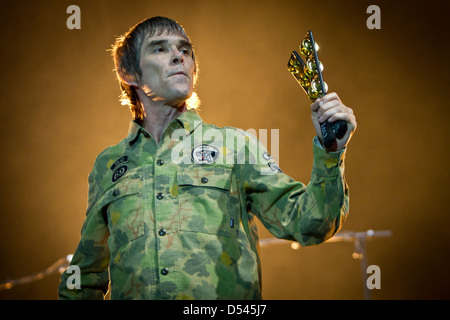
x: 189, y: 120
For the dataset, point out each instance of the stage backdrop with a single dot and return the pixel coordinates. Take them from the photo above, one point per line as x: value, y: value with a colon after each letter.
x: 59, y: 108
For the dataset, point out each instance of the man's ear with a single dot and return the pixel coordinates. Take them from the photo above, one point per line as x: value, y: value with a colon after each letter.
x: 131, y: 81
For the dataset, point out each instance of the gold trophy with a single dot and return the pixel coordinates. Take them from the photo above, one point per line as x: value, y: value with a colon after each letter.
x: 309, y: 75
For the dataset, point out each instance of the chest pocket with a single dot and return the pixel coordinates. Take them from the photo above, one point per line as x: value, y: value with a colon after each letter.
x: 124, y: 211
x: 205, y: 202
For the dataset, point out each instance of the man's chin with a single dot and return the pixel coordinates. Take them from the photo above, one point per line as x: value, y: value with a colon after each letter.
x: 175, y: 98
x: 181, y: 96
x: 178, y: 102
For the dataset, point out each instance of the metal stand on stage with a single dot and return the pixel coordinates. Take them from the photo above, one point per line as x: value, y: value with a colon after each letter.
x: 360, y: 253
x: 58, y: 266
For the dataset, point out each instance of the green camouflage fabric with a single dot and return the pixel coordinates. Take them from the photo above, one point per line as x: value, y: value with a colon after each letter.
x: 177, y: 220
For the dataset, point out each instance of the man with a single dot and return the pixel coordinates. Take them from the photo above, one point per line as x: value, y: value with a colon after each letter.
x: 171, y: 208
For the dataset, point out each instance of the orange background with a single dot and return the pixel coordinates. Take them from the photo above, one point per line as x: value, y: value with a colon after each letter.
x: 59, y: 108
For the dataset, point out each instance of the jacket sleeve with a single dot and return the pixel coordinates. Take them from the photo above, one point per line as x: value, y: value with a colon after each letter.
x: 91, y: 256
x: 309, y: 214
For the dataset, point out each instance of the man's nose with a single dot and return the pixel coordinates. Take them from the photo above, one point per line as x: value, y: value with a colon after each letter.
x: 177, y: 57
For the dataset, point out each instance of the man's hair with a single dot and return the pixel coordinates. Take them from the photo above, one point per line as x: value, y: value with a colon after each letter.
x: 126, y: 55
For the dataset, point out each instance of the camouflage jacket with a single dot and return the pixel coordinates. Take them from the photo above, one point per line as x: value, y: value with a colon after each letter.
x: 177, y: 220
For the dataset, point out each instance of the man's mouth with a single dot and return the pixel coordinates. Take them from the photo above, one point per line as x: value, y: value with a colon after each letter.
x: 178, y: 73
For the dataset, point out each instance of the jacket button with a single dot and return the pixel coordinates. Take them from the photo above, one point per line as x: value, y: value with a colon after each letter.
x: 159, y: 162
x: 164, y: 271
x: 162, y: 232
x: 159, y: 195
x: 204, y: 180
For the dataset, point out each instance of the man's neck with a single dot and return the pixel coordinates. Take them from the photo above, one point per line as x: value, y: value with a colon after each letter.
x: 158, y: 116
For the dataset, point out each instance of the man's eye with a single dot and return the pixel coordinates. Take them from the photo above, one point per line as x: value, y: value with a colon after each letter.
x: 185, y: 51
x: 158, y: 50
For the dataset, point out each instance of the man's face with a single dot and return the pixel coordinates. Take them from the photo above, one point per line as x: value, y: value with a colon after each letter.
x: 167, y: 68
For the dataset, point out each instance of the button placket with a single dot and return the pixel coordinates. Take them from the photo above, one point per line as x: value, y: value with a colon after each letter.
x: 162, y: 212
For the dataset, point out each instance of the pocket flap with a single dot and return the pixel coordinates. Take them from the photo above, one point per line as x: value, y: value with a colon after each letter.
x: 205, y: 176
x: 121, y: 189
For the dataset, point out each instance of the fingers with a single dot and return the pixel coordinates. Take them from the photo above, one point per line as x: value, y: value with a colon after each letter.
x: 335, y: 111
x: 330, y: 108
x: 346, y: 116
x: 325, y: 99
